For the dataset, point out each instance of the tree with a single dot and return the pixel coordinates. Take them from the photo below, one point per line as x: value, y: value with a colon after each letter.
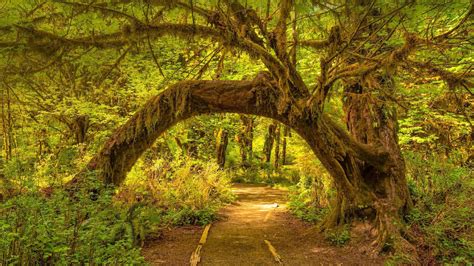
x: 222, y: 140
x: 245, y: 139
x: 364, y: 49
x: 269, y: 140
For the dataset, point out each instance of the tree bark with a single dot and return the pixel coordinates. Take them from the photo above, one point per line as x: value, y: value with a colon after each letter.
x: 245, y: 140
x: 276, y: 162
x: 380, y: 194
x: 268, y: 144
x: 7, y: 124
x: 222, y: 139
x: 286, y: 135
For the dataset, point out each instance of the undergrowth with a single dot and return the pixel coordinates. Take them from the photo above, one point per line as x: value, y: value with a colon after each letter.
x: 51, y: 226
x: 442, y: 219
x: 309, y: 197
x: 60, y: 229
x: 303, y: 207
x: 188, y: 192
x: 338, y: 236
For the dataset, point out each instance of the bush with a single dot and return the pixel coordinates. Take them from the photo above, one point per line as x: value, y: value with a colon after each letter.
x: 186, y: 192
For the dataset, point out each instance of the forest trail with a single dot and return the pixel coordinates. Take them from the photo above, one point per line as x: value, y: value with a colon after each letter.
x: 258, y: 214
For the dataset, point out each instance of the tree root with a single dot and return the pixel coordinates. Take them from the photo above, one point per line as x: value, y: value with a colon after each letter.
x: 387, y: 230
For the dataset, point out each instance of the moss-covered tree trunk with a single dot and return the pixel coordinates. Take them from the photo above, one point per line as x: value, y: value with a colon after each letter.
x: 366, y: 165
x: 379, y: 194
x: 245, y: 140
x: 268, y: 144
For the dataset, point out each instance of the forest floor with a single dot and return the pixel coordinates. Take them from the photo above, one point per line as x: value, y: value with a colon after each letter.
x: 258, y: 214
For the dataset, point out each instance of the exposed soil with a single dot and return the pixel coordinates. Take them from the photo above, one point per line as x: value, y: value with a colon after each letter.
x: 238, y: 237
x: 174, y: 247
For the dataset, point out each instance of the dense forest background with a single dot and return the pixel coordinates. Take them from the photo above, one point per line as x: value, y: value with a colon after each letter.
x: 72, y: 72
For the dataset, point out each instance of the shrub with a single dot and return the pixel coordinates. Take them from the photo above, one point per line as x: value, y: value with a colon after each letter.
x: 186, y: 193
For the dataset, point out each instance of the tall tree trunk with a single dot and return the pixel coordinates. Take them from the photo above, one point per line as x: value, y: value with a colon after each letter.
x: 43, y: 145
x: 2, y: 168
x: 7, y: 124
x: 80, y: 125
x: 245, y: 140
x: 276, y: 162
x: 378, y: 192
x: 194, y: 135
x: 286, y: 135
x: 268, y: 144
x: 222, y: 139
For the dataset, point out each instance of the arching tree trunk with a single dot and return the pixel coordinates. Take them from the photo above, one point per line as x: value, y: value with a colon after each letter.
x: 369, y: 177
x: 179, y: 102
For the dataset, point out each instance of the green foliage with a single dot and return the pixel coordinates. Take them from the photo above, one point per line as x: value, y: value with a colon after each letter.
x: 253, y: 174
x: 308, y: 198
x: 435, y: 138
x: 60, y: 229
x: 425, y: 127
x: 301, y: 208
x: 187, y: 215
x: 338, y: 236
x: 188, y: 192
x: 442, y: 193
x: 399, y: 259
x: 64, y: 229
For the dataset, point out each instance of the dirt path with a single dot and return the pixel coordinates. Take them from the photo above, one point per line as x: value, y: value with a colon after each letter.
x: 238, y: 238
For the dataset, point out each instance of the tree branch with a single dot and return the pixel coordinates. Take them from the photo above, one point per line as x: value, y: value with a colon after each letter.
x: 316, y: 44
